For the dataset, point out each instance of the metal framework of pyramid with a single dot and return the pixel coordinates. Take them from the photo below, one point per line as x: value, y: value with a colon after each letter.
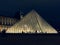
x: 32, y: 23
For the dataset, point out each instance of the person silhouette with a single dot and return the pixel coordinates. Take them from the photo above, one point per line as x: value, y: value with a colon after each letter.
x: 4, y: 31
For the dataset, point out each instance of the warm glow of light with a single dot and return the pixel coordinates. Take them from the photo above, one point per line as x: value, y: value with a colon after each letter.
x: 0, y: 28
x: 32, y: 23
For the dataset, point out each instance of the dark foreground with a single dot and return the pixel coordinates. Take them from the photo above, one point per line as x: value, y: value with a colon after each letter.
x: 29, y: 39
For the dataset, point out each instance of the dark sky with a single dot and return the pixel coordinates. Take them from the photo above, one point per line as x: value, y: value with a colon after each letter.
x: 48, y: 9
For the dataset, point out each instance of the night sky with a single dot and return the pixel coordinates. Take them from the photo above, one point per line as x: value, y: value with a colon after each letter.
x: 48, y: 9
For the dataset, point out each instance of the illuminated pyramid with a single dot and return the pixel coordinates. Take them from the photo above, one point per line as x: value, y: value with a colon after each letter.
x: 32, y: 23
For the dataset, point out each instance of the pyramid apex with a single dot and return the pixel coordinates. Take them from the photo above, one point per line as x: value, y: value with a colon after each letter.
x: 32, y: 12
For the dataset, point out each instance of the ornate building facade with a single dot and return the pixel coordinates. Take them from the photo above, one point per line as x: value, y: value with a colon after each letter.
x: 6, y: 22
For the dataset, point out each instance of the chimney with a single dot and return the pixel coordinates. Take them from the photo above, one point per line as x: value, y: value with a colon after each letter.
x: 21, y: 15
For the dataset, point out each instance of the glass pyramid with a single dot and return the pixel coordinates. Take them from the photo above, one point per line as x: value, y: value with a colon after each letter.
x: 32, y: 23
